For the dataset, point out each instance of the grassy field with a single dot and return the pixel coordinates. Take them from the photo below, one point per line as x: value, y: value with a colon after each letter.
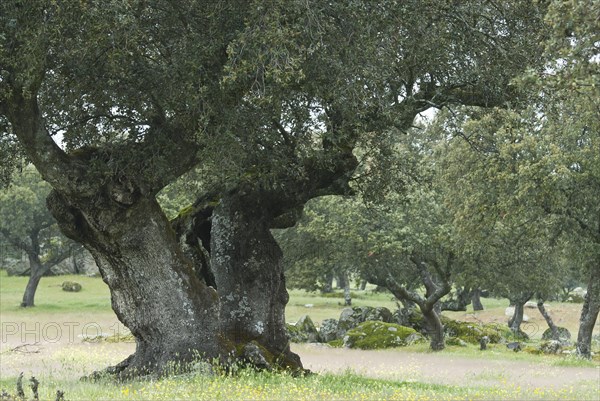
x: 56, y: 353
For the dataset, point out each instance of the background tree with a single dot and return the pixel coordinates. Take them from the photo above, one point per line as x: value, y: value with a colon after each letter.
x: 512, y: 241
x: 26, y: 223
x: 572, y: 106
x: 555, y: 150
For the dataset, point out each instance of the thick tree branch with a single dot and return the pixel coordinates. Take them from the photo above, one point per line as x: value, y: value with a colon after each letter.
x: 29, y: 127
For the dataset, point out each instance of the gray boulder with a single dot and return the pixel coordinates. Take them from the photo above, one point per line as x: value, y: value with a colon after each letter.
x: 380, y: 314
x: 328, y: 331
x: 71, y: 286
x: 16, y: 267
x: 304, y: 331
x: 551, y: 347
x: 350, y: 318
x: 564, y: 335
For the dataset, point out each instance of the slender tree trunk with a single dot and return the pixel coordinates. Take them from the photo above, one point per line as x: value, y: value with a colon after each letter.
x: 154, y: 290
x: 347, y: 296
x: 247, y: 265
x: 434, y: 327
x: 589, y: 315
x: 37, y: 271
x: 341, y: 281
x: 549, y: 321
x: 328, y: 284
x: 363, y: 285
x: 476, y: 299
x: 517, y: 319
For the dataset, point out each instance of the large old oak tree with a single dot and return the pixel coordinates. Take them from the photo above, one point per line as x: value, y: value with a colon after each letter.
x: 269, y: 99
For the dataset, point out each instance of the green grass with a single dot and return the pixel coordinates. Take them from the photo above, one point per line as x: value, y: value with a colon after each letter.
x: 92, y: 304
x: 50, y: 298
x: 331, y: 306
x: 250, y: 385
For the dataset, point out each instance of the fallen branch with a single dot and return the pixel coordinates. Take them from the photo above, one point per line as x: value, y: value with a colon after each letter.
x: 23, y: 349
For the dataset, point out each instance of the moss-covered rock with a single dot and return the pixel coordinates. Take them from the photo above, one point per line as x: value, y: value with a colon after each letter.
x: 304, y: 331
x: 473, y: 332
x: 71, y: 286
x: 351, y: 317
x: 456, y: 341
x: 415, y: 320
x: 378, y: 335
x: 564, y: 334
x: 532, y: 350
x: 551, y: 347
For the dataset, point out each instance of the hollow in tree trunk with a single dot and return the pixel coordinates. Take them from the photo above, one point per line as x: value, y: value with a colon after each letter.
x: 154, y: 290
x: 247, y: 265
x: 589, y: 315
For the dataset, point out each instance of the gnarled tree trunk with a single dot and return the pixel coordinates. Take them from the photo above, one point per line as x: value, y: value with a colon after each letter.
x: 154, y: 290
x: 589, y: 315
x: 247, y: 265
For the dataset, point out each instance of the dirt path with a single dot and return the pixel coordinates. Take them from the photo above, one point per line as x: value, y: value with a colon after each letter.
x: 74, y: 359
x: 447, y: 369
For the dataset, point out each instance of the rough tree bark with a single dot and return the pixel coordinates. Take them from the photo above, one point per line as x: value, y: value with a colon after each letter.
x: 247, y: 265
x: 102, y: 200
x: 228, y: 234
x: 589, y: 315
x: 154, y: 290
x: 435, y: 328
